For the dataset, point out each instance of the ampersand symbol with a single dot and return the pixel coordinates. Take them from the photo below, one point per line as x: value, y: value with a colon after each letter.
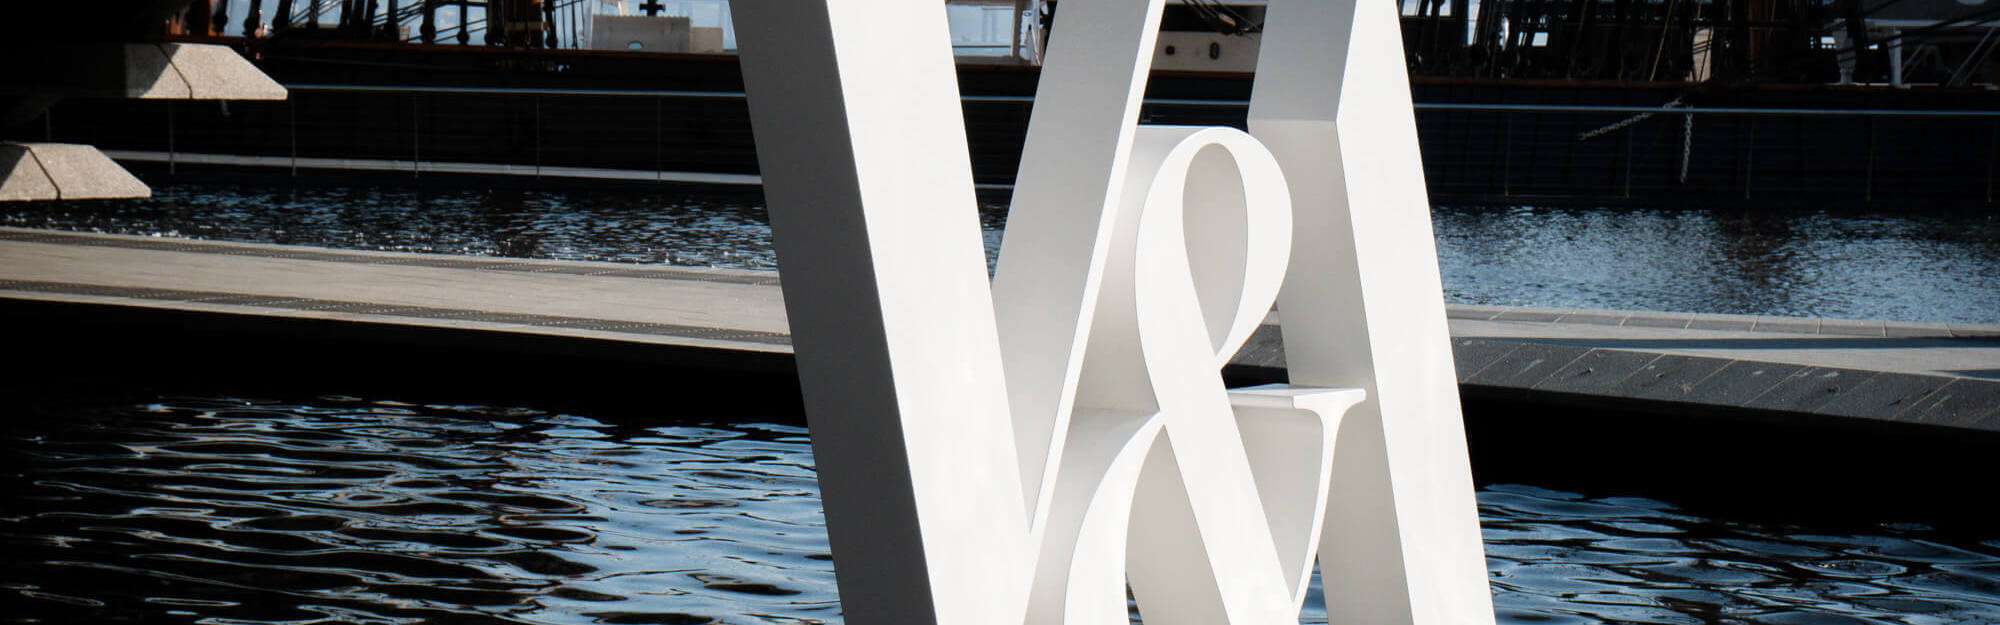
x: 1219, y: 504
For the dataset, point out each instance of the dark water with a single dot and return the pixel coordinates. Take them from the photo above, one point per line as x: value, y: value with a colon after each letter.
x: 342, y: 509
x: 1911, y: 265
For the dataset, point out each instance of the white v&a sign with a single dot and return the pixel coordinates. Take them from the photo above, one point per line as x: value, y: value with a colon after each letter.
x: 1021, y: 451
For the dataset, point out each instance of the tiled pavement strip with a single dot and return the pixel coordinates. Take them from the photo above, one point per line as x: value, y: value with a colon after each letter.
x: 1933, y: 373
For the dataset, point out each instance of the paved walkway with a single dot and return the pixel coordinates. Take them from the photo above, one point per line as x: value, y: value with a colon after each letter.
x: 1940, y: 374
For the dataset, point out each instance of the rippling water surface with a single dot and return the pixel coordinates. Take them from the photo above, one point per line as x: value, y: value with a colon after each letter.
x: 1911, y: 265
x: 341, y: 509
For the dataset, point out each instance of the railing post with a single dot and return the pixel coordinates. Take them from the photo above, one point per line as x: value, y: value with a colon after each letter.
x: 1626, y: 139
x: 1868, y: 192
x: 173, y: 166
x: 1507, y: 155
x: 1992, y: 161
x: 416, y: 135
x: 1750, y: 158
x: 538, y: 137
x: 659, y: 140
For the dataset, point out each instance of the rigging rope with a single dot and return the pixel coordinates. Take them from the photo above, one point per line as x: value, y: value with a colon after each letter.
x: 1621, y: 124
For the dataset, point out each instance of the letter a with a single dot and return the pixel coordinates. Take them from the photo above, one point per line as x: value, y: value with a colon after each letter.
x: 1363, y: 307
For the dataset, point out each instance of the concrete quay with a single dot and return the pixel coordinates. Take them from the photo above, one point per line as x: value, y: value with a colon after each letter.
x: 1939, y: 375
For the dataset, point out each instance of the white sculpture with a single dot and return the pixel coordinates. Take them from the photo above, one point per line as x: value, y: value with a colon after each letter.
x: 1019, y: 453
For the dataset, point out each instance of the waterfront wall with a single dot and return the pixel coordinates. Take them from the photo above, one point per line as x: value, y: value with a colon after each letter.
x: 1492, y: 144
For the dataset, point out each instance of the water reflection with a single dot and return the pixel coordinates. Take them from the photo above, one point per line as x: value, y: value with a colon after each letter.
x: 706, y: 229
x: 1915, y: 266
x: 1911, y: 265
x: 1561, y: 557
x: 347, y: 511
x: 350, y: 510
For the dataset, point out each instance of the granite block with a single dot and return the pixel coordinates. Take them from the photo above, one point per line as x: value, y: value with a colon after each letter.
x: 1905, y: 330
x: 1597, y: 371
x: 21, y: 176
x: 1962, y: 403
x: 1471, y: 355
x: 150, y: 75
x: 1659, y: 320
x: 1851, y: 327
x: 1670, y: 377
x: 1740, y: 381
x: 1791, y: 325
x: 80, y: 172
x: 1526, y: 366
x: 1808, y: 390
x: 1974, y: 331
x: 1596, y: 317
x: 1264, y: 348
x: 1883, y: 396
x: 1739, y: 323
x: 214, y: 72
x: 1472, y: 311
x: 1534, y: 315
